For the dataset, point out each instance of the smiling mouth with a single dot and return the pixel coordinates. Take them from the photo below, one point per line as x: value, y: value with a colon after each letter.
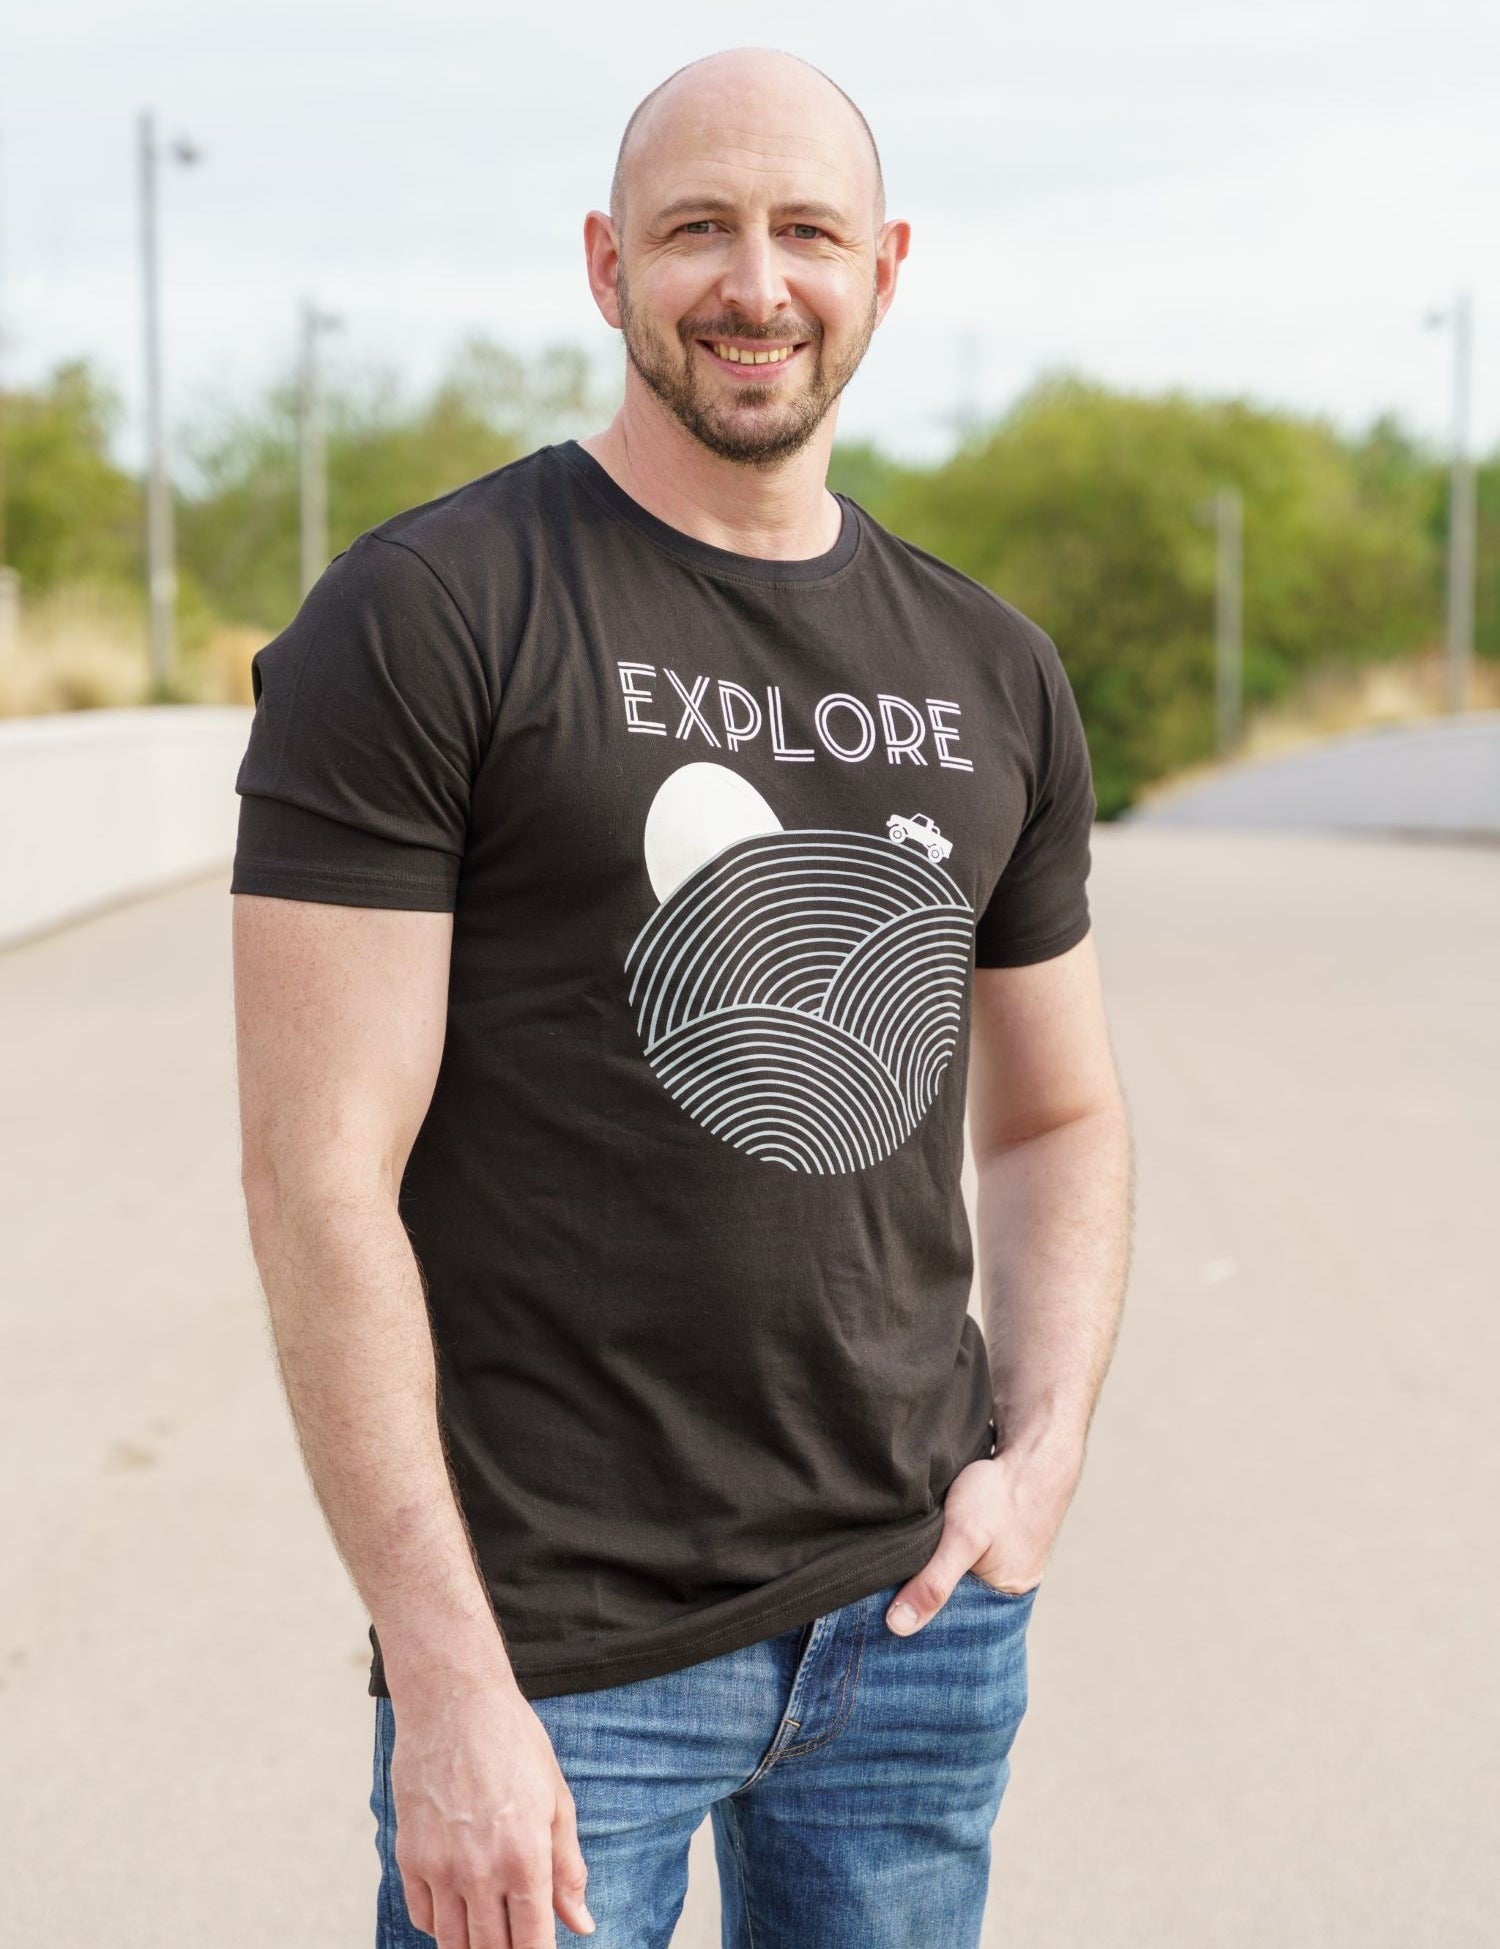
x: 751, y: 355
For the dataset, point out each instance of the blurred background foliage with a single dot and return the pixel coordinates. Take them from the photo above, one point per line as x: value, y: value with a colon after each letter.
x: 1086, y: 507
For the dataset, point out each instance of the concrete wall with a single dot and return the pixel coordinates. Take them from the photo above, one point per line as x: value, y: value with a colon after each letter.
x: 99, y: 805
x: 1440, y: 778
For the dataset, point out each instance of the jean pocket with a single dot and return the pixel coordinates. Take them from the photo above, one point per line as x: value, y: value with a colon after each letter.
x: 1000, y: 1596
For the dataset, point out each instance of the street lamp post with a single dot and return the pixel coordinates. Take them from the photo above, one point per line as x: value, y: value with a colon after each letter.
x: 4, y: 377
x: 10, y: 580
x: 314, y: 446
x: 1462, y: 511
x: 161, y: 567
x: 1229, y: 606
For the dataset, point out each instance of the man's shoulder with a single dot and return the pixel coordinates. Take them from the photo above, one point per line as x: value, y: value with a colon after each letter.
x: 949, y: 591
x: 468, y: 530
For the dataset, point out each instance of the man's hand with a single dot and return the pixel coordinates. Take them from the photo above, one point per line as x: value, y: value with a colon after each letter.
x: 486, y: 1828
x: 1000, y: 1519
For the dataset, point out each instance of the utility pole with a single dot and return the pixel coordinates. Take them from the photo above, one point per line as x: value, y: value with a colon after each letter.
x: 1229, y: 624
x: 314, y: 445
x: 4, y: 364
x: 161, y: 566
x: 1462, y: 512
x: 10, y: 580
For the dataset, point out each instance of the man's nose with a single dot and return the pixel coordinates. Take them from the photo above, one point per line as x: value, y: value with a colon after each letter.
x: 752, y: 282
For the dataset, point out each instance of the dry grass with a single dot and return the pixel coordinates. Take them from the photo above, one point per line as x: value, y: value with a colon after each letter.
x: 86, y: 649
x: 1404, y: 690
x: 1345, y: 699
x: 223, y: 668
x: 78, y: 649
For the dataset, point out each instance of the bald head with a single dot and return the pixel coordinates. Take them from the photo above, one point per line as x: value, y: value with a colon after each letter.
x: 730, y: 92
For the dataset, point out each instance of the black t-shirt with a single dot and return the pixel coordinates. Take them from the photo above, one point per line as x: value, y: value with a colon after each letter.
x: 723, y: 838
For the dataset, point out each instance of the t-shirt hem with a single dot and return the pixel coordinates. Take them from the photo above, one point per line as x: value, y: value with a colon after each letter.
x: 798, y: 1599
x: 1021, y: 954
x: 350, y: 886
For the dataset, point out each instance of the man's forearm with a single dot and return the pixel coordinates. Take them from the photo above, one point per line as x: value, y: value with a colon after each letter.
x: 1053, y: 1240
x: 356, y: 1357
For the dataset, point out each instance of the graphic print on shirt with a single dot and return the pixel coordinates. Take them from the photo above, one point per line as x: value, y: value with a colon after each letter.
x: 798, y: 993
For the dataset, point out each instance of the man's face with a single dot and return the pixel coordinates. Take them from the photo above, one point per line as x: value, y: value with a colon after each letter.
x: 738, y: 244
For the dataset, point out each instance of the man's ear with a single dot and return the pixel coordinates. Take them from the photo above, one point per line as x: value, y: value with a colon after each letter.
x: 891, y: 246
x: 601, y: 251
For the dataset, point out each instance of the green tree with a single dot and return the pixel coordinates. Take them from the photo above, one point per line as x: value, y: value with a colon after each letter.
x: 859, y: 469
x: 1087, y: 508
x: 239, y: 528
x: 72, y: 514
x: 1084, y: 505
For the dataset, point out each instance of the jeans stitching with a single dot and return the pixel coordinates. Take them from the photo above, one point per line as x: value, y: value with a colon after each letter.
x: 813, y: 1636
x: 845, y: 1706
x: 1005, y: 1596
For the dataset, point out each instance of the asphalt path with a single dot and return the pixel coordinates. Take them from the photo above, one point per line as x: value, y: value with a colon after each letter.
x: 1263, y: 1695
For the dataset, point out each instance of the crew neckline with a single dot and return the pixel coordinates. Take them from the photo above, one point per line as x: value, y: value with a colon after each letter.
x: 703, y: 554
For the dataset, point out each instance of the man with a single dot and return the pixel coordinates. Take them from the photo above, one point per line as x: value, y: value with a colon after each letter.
x: 640, y: 849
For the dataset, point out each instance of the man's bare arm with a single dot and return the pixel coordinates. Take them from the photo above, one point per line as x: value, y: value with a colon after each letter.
x: 1050, y: 1138
x: 339, y: 1024
x: 1052, y: 1151
x: 340, y: 1015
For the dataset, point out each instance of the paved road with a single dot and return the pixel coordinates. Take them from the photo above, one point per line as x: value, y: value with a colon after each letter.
x: 1263, y: 1692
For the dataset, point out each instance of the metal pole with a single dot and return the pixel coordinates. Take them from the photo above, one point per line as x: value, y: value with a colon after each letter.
x: 161, y: 572
x: 1229, y: 531
x: 4, y: 400
x: 314, y: 483
x: 10, y: 616
x: 314, y: 445
x: 1462, y: 515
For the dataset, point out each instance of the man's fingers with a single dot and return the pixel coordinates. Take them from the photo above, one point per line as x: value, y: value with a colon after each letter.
x: 529, y: 1906
x: 451, y: 1916
x: 418, y: 1895
x: 488, y: 1926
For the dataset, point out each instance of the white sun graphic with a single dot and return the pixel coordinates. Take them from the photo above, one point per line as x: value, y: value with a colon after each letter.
x: 698, y: 811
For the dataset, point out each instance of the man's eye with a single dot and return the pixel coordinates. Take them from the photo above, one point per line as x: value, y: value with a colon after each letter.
x: 807, y: 230
x: 698, y: 224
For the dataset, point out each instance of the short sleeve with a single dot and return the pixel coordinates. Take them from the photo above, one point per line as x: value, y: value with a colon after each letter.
x: 1039, y: 907
x: 372, y: 714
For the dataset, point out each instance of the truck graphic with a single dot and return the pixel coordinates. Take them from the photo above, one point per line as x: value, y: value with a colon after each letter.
x: 922, y: 832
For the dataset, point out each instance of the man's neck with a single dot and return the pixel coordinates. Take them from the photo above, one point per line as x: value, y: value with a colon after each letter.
x: 784, y: 513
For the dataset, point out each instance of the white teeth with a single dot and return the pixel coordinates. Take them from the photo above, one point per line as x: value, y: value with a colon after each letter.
x: 738, y: 356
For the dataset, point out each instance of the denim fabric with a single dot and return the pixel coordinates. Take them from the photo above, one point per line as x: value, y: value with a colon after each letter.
x: 852, y: 1777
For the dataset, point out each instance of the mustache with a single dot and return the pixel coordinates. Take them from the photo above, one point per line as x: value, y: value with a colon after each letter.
x: 762, y: 335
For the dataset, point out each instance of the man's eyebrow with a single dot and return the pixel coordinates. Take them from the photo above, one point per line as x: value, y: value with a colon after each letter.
x: 712, y: 206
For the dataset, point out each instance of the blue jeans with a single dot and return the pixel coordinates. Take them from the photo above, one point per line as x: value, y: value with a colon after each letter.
x: 852, y: 1776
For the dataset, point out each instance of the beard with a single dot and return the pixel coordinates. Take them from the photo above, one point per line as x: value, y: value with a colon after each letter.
x: 759, y: 427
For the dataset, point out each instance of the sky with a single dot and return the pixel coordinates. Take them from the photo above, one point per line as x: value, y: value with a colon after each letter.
x: 1259, y: 200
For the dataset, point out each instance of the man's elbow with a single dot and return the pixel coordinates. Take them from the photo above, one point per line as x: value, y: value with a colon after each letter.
x: 284, y: 1188
x: 1103, y: 1109
x: 262, y: 1191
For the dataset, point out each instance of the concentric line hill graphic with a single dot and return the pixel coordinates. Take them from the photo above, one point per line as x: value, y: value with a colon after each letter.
x: 800, y: 994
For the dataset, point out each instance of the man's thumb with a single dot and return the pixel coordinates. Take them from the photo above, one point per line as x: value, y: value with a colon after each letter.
x: 921, y: 1597
x: 569, y: 1877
